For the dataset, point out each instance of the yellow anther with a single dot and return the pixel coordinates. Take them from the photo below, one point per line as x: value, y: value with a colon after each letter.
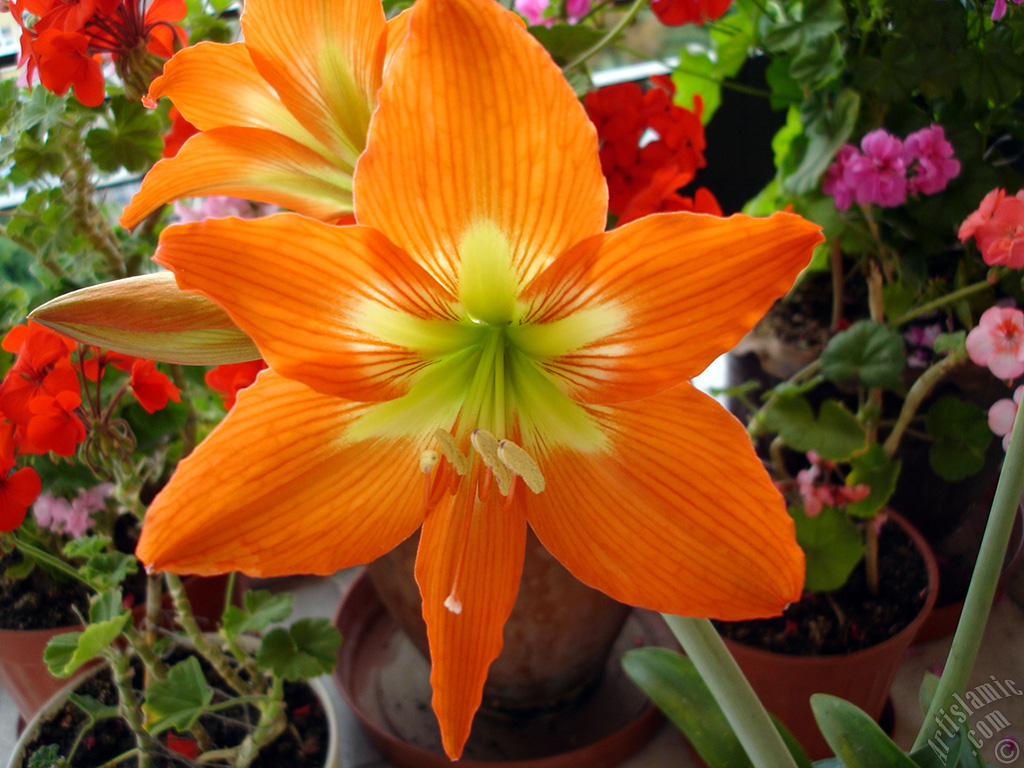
x: 428, y: 460
x: 450, y: 449
x: 486, y: 445
x: 522, y: 463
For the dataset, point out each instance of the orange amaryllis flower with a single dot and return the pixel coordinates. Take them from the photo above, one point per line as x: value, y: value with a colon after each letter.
x: 478, y: 356
x: 283, y: 116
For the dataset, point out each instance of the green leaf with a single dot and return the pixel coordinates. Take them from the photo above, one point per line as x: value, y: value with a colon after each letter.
x: 132, y: 141
x: 818, y: 62
x: 950, y: 342
x: 86, y: 546
x: 566, y: 41
x: 107, y: 606
x: 709, y: 57
x: 856, y: 739
x: 262, y: 608
x: 677, y: 689
x: 826, y: 130
x: 925, y: 694
x: 48, y: 756
x: 832, y: 545
x: 960, y: 438
x: 880, y: 473
x: 938, y: 752
x: 835, y: 434
x: 67, y: 652
x: 868, y: 352
x: 178, y: 701
x: 106, y: 570
x: 305, y: 649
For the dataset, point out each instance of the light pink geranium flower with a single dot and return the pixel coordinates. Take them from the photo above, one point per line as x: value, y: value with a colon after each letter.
x: 1002, y: 414
x: 998, y: 342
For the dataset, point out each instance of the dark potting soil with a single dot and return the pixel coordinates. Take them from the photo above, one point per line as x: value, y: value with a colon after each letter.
x: 302, y: 744
x: 851, y: 618
x: 39, y: 601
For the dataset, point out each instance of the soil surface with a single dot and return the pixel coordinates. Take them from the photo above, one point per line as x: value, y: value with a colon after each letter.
x: 301, y: 745
x: 39, y: 601
x: 850, y: 618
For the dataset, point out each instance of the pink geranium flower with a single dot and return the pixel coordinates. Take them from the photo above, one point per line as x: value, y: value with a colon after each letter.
x: 999, y: 9
x: 934, y: 164
x: 835, y: 177
x: 982, y: 215
x: 998, y: 342
x: 879, y: 173
x: 1002, y: 414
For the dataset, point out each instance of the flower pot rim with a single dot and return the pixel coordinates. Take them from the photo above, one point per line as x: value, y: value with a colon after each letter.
x: 332, y: 757
x: 824, y: 660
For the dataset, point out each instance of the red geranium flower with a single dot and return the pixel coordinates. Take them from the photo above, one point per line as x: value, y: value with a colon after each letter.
x: 54, y: 425
x: 151, y: 387
x: 17, y: 491
x: 675, y: 13
x: 232, y: 378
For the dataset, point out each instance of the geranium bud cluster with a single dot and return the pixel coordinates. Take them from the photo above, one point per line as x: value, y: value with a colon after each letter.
x: 885, y: 170
x: 998, y: 229
x: 47, y: 398
x: 64, y: 43
x: 650, y: 148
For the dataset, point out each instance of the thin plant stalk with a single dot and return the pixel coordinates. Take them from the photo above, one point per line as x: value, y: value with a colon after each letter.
x: 744, y: 711
x: 978, y: 604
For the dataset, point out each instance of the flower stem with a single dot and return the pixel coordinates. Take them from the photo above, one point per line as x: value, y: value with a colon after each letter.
x: 942, y: 301
x: 978, y: 604
x: 609, y: 36
x: 48, y: 559
x: 732, y: 691
x: 208, y: 650
x: 918, y: 392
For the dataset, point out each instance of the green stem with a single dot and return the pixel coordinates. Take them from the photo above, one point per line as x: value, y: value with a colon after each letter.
x: 208, y: 650
x: 609, y: 36
x: 271, y: 724
x: 130, y: 709
x: 50, y: 560
x: 918, y: 392
x: 743, y: 710
x: 942, y: 301
x: 978, y: 604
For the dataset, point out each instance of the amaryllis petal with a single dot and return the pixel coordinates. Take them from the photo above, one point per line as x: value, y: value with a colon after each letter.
x: 467, y: 598
x: 639, y: 278
x: 307, y: 308
x: 148, y: 316
x: 277, y: 486
x: 324, y: 59
x: 518, y: 152
x: 246, y: 162
x: 196, y: 78
x: 677, y: 489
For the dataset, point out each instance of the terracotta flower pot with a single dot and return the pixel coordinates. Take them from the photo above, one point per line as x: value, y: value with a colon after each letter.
x: 556, y: 640
x: 785, y: 682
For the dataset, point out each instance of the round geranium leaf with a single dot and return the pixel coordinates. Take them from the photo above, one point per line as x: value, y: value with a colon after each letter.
x: 868, y: 352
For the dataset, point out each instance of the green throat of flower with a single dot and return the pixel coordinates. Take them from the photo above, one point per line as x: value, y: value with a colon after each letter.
x: 486, y: 368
